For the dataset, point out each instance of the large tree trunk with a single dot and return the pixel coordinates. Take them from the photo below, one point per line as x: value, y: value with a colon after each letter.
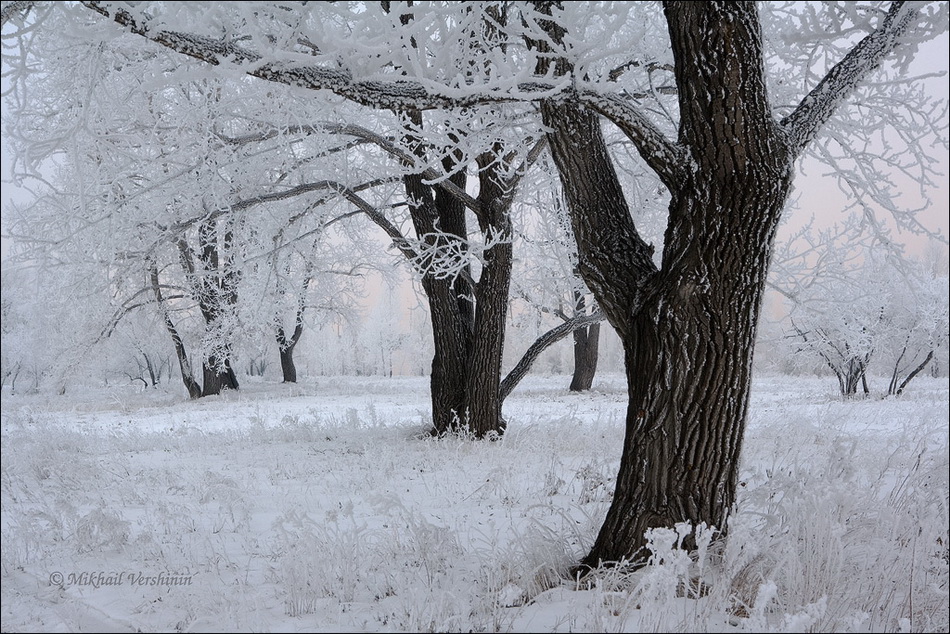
x: 688, y: 329
x: 451, y: 339
x: 450, y: 305
x: 586, y: 350
x: 491, y: 306
x: 217, y: 376
x: 689, y: 326
x: 688, y: 356
x: 468, y: 318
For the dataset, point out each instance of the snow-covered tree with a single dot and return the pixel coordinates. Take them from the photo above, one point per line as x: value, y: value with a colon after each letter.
x: 689, y: 85
x: 167, y: 193
x: 859, y: 308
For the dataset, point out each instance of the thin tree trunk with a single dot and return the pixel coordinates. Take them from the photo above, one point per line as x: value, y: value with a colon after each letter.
x: 187, y: 378
x: 151, y: 370
x: 287, y: 367
x: 915, y: 372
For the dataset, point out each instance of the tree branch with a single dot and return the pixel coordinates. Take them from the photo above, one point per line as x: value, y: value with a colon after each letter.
x: 822, y: 102
x: 384, y: 143
x: 398, y: 94
x: 21, y: 8
x: 542, y: 343
x: 917, y: 370
x: 662, y: 155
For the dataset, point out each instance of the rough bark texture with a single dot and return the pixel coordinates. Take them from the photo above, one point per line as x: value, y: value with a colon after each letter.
x: 468, y: 319
x: 688, y: 329
x: 449, y: 305
x: 689, y: 346
x: 586, y: 353
x: 491, y: 304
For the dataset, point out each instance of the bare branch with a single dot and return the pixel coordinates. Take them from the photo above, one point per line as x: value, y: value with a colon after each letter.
x: 543, y: 342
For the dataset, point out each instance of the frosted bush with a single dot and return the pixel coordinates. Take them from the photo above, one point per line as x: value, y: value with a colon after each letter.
x: 101, y: 529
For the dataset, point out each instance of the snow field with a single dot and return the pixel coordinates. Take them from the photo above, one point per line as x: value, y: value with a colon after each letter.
x: 325, y: 507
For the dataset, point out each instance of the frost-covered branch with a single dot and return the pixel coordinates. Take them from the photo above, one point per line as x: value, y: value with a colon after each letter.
x: 824, y: 100
x: 396, y: 94
x: 384, y: 143
x: 662, y: 155
x: 10, y: 9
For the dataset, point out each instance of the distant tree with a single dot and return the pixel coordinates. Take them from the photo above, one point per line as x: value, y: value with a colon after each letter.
x: 855, y: 308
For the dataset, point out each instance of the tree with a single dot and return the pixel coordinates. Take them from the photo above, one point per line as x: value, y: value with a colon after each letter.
x: 855, y: 306
x: 549, y: 283
x: 688, y: 324
x: 147, y: 155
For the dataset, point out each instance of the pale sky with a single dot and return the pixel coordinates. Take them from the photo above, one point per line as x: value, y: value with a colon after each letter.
x: 819, y: 194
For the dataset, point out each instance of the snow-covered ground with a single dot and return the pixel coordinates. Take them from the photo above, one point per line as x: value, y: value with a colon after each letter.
x: 324, y: 507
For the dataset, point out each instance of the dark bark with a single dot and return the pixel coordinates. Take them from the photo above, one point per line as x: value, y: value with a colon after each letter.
x: 449, y: 305
x: 586, y: 350
x: 214, y: 285
x: 217, y: 376
x: 285, y: 347
x: 688, y: 329
x: 910, y: 377
x: 541, y: 344
x: 150, y: 367
x: 491, y: 303
x: 851, y: 374
x: 586, y: 353
x: 468, y: 317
